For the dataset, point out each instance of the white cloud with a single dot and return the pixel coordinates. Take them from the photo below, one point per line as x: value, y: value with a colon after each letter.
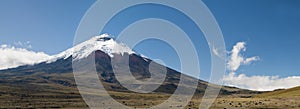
x: 11, y: 57
x: 4, y: 46
x: 259, y: 83
x: 236, y: 59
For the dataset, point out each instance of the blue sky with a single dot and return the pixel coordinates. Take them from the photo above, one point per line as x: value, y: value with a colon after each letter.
x: 270, y: 29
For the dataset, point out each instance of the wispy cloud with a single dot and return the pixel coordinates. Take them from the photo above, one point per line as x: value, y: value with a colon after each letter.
x: 11, y: 57
x: 216, y: 51
x: 26, y: 44
x: 258, y: 82
x: 250, y: 60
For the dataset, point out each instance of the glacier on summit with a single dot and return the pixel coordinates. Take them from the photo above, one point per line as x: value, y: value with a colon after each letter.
x: 102, y: 42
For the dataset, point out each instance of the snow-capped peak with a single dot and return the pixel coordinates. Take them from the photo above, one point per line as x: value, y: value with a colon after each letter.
x: 102, y: 42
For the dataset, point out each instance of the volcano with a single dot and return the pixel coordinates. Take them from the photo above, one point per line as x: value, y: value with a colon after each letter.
x: 51, y: 84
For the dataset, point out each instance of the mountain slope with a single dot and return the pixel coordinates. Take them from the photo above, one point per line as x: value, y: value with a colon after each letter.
x: 292, y: 92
